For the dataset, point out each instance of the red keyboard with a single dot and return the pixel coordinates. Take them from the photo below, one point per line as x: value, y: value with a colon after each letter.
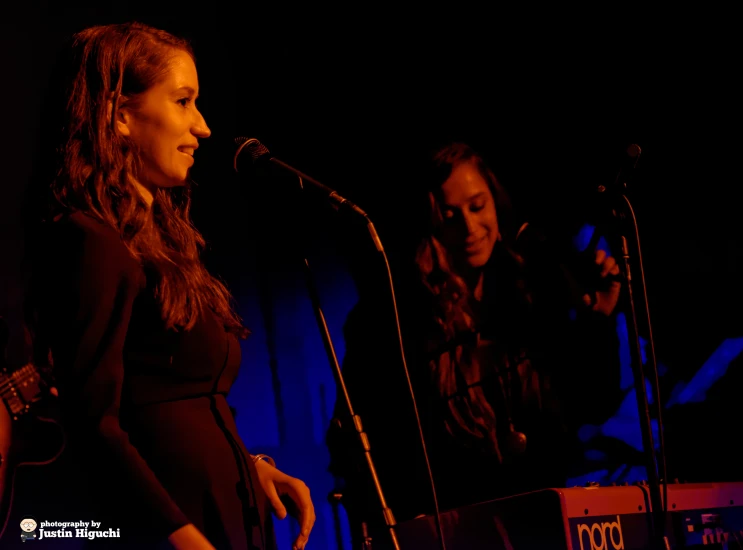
x: 584, y: 518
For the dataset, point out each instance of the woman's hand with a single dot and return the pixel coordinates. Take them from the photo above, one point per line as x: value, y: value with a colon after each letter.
x: 276, y: 484
x: 605, y: 300
x: 189, y: 538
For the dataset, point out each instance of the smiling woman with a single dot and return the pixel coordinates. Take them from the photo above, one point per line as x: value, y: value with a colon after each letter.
x: 483, y: 355
x: 165, y: 125
x: 469, y: 220
x: 143, y: 339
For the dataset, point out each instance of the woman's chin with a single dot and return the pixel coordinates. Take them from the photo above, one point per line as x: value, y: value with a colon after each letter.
x: 476, y: 261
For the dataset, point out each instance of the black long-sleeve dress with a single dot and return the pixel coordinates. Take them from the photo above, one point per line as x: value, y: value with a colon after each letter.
x: 151, y: 438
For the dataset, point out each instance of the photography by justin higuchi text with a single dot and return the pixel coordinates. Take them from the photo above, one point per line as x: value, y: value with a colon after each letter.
x: 31, y: 529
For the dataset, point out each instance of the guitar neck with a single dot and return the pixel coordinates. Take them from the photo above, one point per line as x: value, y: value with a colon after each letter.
x: 21, y: 388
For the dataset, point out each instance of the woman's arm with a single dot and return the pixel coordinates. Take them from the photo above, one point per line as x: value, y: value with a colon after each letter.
x: 92, y: 285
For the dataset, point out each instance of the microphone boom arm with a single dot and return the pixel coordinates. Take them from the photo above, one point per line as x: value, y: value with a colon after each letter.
x: 260, y: 153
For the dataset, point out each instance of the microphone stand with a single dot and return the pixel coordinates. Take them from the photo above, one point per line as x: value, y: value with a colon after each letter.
x: 625, y: 213
x: 258, y: 151
x: 358, y: 426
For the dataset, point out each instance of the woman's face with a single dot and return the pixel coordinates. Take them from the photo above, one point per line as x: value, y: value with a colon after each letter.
x: 165, y: 125
x: 470, y: 223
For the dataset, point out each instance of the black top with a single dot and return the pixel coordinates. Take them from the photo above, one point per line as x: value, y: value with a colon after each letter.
x: 145, y: 409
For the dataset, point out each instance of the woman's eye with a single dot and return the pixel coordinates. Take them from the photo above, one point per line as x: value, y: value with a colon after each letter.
x: 183, y: 102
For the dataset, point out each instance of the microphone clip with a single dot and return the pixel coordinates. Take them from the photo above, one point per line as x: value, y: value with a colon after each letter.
x: 626, y: 171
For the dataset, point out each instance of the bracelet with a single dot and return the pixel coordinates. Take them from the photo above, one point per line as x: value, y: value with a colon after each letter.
x: 267, y: 458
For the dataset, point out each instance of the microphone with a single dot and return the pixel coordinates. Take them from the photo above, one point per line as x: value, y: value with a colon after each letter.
x: 626, y: 170
x: 253, y: 151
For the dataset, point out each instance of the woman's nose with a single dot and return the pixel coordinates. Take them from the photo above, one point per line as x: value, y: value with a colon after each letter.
x: 469, y: 223
x: 200, y: 129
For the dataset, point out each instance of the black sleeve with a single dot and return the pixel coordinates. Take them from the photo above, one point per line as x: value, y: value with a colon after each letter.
x: 582, y: 346
x: 91, y: 296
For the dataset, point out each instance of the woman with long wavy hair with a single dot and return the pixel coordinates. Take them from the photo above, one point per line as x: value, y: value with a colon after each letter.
x: 143, y: 339
x: 478, y: 322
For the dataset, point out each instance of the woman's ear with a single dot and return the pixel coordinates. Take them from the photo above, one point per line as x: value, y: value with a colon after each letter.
x: 123, y: 117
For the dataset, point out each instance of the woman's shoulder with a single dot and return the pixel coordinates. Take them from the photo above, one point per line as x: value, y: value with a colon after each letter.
x: 79, y: 235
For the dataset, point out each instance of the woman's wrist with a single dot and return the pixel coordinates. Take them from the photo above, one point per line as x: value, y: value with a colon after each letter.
x: 263, y: 457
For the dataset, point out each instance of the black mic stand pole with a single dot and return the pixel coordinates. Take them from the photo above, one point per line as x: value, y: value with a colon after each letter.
x: 358, y: 426
x: 657, y: 518
x: 257, y: 151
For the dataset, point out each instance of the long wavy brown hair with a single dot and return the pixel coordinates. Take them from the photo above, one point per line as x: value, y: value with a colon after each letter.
x: 92, y: 167
x: 451, y: 297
